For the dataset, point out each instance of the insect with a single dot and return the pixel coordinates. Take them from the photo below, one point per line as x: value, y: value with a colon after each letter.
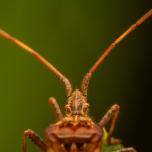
x: 76, y: 131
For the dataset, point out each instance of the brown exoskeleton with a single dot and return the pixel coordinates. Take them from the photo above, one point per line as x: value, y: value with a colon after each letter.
x: 76, y: 132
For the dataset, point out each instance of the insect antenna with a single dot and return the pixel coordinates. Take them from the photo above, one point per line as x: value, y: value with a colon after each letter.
x: 87, y: 77
x: 66, y: 82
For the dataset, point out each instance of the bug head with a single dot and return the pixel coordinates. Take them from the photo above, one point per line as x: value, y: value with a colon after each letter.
x: 77, y: 104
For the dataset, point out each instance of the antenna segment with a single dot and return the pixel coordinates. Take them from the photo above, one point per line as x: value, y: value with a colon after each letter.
x: 87, y: 77
x: 66, y: 82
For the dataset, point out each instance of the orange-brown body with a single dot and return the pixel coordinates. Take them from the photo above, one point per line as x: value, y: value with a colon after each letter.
x: 76, y: 132
x: 73, y: 137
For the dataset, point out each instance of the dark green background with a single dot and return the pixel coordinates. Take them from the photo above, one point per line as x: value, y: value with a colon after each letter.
x: 72, y: 35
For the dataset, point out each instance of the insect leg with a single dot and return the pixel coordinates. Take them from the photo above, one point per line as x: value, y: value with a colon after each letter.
x: 112, y: 113
x: 111, y: 140
x: 129, y: 149
x: 52, y: 101
x: 94, y: 145
x: 35, y: 138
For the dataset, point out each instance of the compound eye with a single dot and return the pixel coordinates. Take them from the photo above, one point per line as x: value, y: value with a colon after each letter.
x: 68, y: 108
x: 85, y: 107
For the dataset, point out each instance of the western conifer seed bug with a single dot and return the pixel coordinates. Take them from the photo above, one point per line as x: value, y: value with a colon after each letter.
x: 76, y: 132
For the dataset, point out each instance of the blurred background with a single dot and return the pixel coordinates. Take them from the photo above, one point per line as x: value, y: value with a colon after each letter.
x: 72, y: 35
